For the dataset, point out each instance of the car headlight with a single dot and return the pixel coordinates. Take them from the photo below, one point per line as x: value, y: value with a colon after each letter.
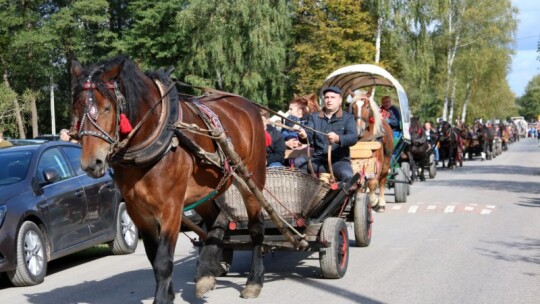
x: 3, y: 211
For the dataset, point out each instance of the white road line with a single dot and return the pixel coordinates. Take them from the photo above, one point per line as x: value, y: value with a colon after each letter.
x: 472, y: 204
x: 413, y: 209
x: 449, y: 209
x: 485, y: 211
x: 469, y: 208
x: 396, y: 207
x: 431, y: 207
x: 490, y: 206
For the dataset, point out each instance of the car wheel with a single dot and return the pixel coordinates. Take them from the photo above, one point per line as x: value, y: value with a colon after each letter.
x: 31, y: 257
x: 127, y: 235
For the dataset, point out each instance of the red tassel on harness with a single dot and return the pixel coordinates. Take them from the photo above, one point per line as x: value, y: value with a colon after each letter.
x: 125, y: 125
x: 267, y: 139
x: 371, y: 120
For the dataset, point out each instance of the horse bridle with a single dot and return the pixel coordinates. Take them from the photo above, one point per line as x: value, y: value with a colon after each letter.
x: 91, y: 112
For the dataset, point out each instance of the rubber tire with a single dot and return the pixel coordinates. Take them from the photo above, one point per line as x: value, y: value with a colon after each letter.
x: 362, y: 220
x: 335, y: 258
x: 127, y: 235
x: 22, y: 275
x: 406, y: 167
x: 432, y: 166
x: 400, y: 189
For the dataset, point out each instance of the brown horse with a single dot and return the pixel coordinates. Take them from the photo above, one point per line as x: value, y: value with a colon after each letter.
x: 160, y: 169
x: 372, y: 127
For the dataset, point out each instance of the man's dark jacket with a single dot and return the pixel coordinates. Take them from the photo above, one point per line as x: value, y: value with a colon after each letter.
x: 276, y: 151
x: 343, y: 124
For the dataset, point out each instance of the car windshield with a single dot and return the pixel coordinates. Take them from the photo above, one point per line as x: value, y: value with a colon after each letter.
x: 14, y: 166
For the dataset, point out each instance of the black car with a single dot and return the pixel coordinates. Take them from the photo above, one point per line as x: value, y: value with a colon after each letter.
x: 50, y: 208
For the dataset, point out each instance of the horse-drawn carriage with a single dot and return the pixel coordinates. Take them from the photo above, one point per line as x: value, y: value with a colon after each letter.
x: 355, y: 77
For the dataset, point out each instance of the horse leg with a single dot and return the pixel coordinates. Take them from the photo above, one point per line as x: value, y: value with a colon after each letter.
x: 373, y: 199
x: 256, y: 232
x: 209, y: 263
x: 382, y: 200
x: 412, y: 162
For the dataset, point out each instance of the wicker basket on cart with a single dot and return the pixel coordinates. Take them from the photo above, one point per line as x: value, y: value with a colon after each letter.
x: 290, y: 192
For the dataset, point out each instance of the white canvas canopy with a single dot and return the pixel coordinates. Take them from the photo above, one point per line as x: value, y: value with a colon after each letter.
x: 359, y: 76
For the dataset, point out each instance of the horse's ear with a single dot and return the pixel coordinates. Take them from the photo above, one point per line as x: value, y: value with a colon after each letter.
x: 76, y: 69
x: 295, y: 96
x: 350, y: 93
x: 113, y: 73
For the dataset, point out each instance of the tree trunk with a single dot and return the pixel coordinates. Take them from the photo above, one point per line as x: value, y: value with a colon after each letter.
x: 17, y: 108
x: 452, y: 100
x: 33, y: 108
x: 378, y: 40
x: 466, y: 101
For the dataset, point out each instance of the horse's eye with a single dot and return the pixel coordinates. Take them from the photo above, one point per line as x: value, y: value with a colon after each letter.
x: 107, y: 109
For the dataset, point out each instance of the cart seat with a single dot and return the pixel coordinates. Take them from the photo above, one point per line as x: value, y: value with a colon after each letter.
x: 364, y: 149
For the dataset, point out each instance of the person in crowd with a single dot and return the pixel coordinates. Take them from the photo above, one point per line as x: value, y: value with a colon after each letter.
x: 335, y: 129
x: 298, y: 112
x: 275, y: 145
x: 3, y: 142
x: 64, y: 135
x: 391, y: 113
x: 432, y: 137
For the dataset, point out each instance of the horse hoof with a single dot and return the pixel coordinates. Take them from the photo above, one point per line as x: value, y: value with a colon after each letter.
x: 204, y: 285
x: 251, y: 291
x: 379, y: 209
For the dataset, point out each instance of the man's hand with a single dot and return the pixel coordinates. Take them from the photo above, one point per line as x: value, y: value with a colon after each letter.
x: 333, y: 138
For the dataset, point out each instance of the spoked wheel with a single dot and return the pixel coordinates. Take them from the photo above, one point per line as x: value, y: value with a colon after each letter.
x: 335, y: 258
x: 432, y: 166
x: 401, y: 184
x: 363, y: 220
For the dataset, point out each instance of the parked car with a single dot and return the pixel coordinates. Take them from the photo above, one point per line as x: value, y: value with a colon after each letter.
x: 48, y: 136
x: 50, y: 208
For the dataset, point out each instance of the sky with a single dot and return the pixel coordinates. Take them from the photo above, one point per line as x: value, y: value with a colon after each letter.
x: 525, y: 64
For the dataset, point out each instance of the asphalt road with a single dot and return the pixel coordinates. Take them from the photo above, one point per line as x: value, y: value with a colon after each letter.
x: 471, y: 235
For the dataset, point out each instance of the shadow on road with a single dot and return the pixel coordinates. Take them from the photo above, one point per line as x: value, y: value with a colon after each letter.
x: 138, y: 285
x: 498, y: 169
x: 507, y: 186
x: 527, y: 248
x: 529, y: 202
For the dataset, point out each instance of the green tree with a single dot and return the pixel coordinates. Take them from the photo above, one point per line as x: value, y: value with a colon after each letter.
x: 529, y: 103
x: 237, y: 46
x: 329, y: 35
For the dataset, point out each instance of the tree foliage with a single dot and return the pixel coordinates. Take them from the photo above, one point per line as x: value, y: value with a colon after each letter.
x: 529, y: 103
x: 265, y: 50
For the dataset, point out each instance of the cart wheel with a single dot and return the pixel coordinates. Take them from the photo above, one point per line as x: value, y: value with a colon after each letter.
x: 227, y: 255
x: 406, y: 167
x: 335, y: 258
x: 432, y: 166
x: 400, y: 186
x: 362, y: 220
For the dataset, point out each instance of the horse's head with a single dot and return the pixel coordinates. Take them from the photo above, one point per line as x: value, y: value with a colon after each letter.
x: 97, y: 111
x: 368, y: 117
x: 307, y: 103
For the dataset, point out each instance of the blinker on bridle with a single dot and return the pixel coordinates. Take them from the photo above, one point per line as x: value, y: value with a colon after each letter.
x: 91, y: 112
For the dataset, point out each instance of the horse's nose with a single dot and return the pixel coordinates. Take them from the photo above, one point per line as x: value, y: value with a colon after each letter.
x: 94, y: 167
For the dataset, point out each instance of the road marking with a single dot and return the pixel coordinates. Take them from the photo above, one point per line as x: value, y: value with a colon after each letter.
x: 490, y: 206
x: 449, y: 209
x: 431, y: 207
x: 485, y: 211
x: 413, y: 209
x: 469, y: 208
x: 396, y: 207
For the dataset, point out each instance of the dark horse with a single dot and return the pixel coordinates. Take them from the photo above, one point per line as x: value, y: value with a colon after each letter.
x: 485, y: 136
x: 418, y: 150
x: 448, y: 144
x: 371, y: 127
x: 160, y: 169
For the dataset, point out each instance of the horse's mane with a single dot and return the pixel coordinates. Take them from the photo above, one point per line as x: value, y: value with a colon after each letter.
x: 378, y: 129
x: 415, y: 127
x: 130, y: 80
